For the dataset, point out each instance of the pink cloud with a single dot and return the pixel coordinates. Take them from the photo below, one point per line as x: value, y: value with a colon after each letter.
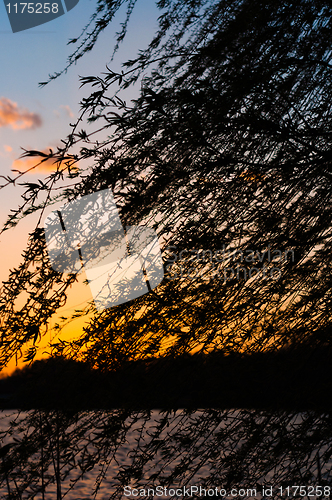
x: 17, y: 118
x: 67, y: 110
x: 25, y: 163
x: 47, y: 166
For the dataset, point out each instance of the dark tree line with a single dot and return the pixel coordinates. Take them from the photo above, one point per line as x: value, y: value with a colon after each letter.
x: 227, y: 146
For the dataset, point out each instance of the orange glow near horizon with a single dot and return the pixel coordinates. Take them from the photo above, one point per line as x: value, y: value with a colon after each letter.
x: 77, y: 299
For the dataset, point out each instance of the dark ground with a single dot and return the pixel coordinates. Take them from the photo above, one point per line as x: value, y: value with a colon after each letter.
x: 296, y: 379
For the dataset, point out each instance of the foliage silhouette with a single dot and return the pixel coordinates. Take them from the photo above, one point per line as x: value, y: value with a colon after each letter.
x: 96, y: 454
x: 227, y: 146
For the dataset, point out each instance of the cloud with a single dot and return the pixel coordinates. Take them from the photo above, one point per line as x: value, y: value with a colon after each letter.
x: 8, y: 151
x: 67, y: 110
x: 48, y: 166
x: 17, y: 118
x: 23, y: 164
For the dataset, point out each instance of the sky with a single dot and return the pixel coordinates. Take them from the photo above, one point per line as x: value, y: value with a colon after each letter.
x: 37, y: 118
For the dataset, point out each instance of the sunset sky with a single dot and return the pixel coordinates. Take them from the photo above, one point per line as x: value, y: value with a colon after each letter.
x: 38, y: 118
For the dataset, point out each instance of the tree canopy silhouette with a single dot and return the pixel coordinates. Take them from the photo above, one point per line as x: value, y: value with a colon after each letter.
x: 226, y: 149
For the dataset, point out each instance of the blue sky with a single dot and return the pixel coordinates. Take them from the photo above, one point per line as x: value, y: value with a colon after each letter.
x: 27, y: 58
x: 30, y: 56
